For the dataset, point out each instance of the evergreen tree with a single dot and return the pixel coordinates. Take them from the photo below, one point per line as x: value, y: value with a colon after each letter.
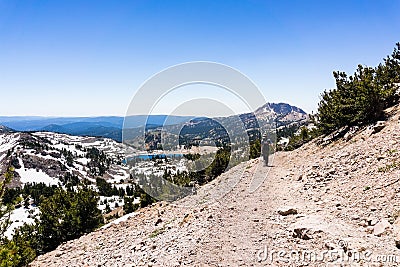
x: 5, y: 209
x: 8, y: 249
x: 255, y: 149
x: 67, y: 215
x: 129, y: 206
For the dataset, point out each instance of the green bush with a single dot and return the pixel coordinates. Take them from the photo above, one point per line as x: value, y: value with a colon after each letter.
x: 255, y: 149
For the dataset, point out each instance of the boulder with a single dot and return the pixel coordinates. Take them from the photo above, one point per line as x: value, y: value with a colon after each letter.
x: 396, y: 232
x: 284, y: 211
x: 302, y: 233
x: 378, y: 126
x: 381, y: 227
x: 351, y: 133
x: 309, y: 225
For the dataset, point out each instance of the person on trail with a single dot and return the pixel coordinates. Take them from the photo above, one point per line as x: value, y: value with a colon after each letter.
x: 265, y: 151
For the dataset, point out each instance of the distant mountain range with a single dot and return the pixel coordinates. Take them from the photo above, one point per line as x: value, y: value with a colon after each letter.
x: 111, y: 127
x: 39, y: 123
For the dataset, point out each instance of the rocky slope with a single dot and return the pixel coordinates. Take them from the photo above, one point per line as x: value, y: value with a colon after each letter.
x: 59, y: 159
x: 47, y: 157
x: 337, y: 204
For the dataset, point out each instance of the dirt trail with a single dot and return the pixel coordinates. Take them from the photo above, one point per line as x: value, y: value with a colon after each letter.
x: 242, y: 220
x: 228, y: 232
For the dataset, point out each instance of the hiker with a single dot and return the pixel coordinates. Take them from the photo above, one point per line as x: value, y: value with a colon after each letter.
x: 265, y: 151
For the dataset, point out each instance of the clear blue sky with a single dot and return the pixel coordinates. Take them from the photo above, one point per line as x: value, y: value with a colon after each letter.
x: 87, y: 58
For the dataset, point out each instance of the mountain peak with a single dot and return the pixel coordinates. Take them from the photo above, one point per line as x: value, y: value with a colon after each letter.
x: 280, y: 109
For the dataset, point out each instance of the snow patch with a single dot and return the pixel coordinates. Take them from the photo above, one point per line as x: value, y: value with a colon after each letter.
x: 121, y: 219
x: 21, y: 216
x: 33, y: 176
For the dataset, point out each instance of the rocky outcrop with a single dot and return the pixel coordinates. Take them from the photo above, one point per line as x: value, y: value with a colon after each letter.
x: 378, y: 126
x: 57, y: 155
x: 284, y: 211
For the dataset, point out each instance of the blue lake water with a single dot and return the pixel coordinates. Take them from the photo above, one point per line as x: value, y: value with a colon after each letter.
x: 153, y: 156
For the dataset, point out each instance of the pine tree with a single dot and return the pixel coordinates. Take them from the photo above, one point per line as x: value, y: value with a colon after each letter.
x: 67, y: 215
x: 361, y: 98
x: 5, y: 209
x: 8, y: 249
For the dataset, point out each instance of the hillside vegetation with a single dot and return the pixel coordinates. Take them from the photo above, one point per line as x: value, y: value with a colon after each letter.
x: 360, y: 98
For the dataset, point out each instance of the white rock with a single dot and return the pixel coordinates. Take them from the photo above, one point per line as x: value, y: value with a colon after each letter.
x: 381, y: 227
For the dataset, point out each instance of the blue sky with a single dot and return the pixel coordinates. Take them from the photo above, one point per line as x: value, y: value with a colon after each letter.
x: 87, y: 58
